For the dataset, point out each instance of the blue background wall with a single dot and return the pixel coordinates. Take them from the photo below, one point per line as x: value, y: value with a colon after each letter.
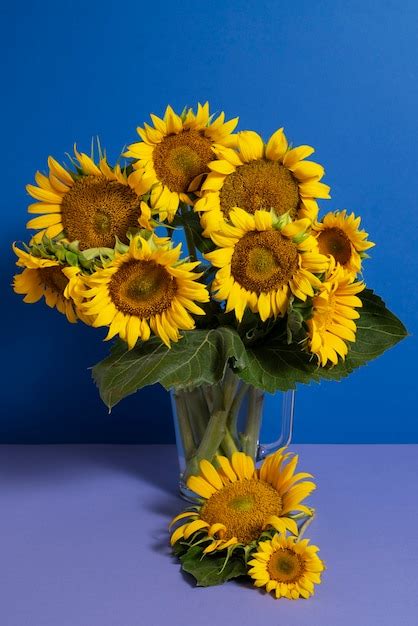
x: 339, y: 75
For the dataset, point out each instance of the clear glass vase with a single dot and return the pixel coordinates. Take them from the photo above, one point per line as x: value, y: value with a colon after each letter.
x: 228, y: 417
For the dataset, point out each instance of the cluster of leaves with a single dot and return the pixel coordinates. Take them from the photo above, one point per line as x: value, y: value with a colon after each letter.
x: 270, y: 359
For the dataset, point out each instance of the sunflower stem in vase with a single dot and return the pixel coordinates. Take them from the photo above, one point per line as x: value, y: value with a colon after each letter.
x: 218, y: 419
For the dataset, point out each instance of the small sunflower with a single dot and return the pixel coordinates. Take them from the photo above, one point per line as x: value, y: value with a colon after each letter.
x: 148, y: 288
x: 262, y: 260
x: 339, y: 235
x: 332, y: 323
x: 286, y: 566
x: 47, y: 278
x: 261, y: 177
x: 93, y: 206
x: 175, y: 154
x: 239, y: 501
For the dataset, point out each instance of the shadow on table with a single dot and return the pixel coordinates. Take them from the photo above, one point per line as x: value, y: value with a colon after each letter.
x: 155, y: 465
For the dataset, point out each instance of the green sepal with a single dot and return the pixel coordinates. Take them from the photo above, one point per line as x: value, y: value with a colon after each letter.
x: 297, y: 314
x: 280, y: 221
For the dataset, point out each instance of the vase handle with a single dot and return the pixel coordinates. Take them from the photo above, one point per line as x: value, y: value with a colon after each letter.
x: 286, y: 427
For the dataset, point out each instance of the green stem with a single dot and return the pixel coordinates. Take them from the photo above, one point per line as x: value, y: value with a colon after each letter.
x: 228, y: 444
x: 198, y: 412
x: 250, y: 437
x: 189, y: 234
x: 190, y: 243
x: 214, y: 397
x: 234, y: 410
x: 230, y: 386
x: 186, y: 432
x: 211, y: 440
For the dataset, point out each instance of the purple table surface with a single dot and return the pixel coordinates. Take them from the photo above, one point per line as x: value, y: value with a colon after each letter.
x: 83, y: 541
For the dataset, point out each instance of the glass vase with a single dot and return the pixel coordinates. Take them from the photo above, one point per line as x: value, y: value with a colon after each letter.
x: 227, y: 417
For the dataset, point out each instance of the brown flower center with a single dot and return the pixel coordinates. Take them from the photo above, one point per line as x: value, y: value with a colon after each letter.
x: 96, y: 210
x: 243, y: 507
x: 285, y: 566
x: 260, y: 185
x: 178, y: 159
x: 142, y: 288
x: 335, y: 242
x: 53, y: 278
x: 264, y: 261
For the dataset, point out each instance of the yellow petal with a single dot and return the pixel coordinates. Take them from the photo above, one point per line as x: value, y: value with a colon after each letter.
x: 194, y: 527
x: 210, y: 474
x: 182, y: 516
x: 44, y: 220
x: 297, y: 154
x: 59, y: 171
x: 226, y: 468
x: 303, y: 170
x: 250, y: 145
x: 239, y: 464
x: 43, y: 194
x: 200, y: 486
x: 177, y: 534
x: 313, y: 189
x: 221, y: 167
x: 217, y: 528
x: 276, y: 145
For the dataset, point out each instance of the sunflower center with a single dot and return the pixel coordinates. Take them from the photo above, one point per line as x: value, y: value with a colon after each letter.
x: 178, y: 159
x: 102, y: 221
x: 285, y: 566
x: 264, y: 261
x: 53, y: 278
x: 260, y: 185
x: 243, y: 507
x: 142, y: 288
x: 335, y: 242
x: 96, y: 210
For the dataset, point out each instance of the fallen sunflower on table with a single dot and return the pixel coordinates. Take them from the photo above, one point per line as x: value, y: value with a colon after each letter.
x: 287, y: 567
x: 239, y: 507
x: 238, y: 501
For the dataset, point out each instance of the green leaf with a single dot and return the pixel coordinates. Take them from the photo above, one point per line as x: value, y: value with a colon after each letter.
x: 180, y: 548
x: 201, y: 356
x: 273, y: 365
x: 211, y: 570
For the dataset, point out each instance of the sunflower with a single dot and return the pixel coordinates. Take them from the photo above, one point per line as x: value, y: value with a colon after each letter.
x: 286, y: 566
x: 261, y: 177
x: 175, y: 154
x: 239, y: 501
x: 339, y: 235
x: 145, y: 289
x: 93, y: 206
x: 334, y: 311
x: 262, y: 260
x: 47, y: 278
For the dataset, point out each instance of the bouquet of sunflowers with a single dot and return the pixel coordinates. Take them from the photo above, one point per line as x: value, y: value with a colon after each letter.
x: 266, y: 295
